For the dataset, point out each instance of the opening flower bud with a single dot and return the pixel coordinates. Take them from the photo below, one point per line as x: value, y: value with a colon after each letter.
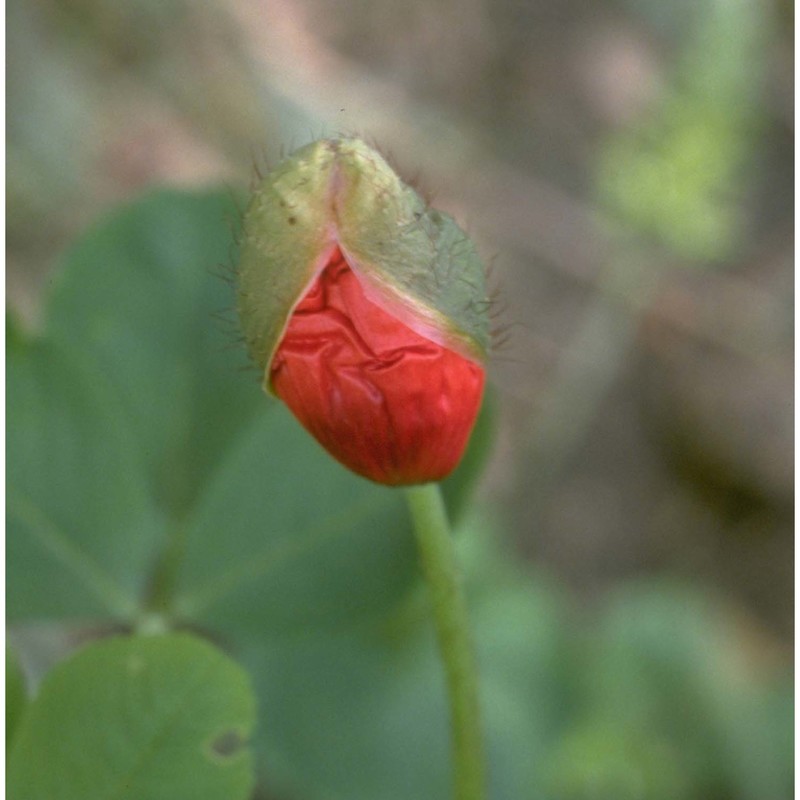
x: 366, y: 311
x: 388, y: 403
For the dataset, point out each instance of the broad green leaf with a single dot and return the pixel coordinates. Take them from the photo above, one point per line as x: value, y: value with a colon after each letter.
x: 138, y: 718
x: 16, y: 696
x: 139, y: 295
x: 82, y: 529
x: 286, y: 537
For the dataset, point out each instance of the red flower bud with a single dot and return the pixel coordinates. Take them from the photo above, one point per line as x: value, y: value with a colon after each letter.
x: 386, y: 402
x: 366, y: 310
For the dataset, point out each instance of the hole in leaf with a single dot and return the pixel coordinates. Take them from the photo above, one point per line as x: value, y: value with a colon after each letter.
x: 226, y: 745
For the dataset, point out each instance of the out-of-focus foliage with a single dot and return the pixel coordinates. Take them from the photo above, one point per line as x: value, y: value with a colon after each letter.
x: 676, y: 175
x: 669, y: 708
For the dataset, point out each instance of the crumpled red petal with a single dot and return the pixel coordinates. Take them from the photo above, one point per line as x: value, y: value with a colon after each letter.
x: 383, y: 400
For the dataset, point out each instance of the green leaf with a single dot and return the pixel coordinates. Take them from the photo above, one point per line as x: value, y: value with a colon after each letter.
x: 16, y: 696
x: 285, y: 538
x: 138, y: 296
x: 81, y: 528
x: 144, y: 718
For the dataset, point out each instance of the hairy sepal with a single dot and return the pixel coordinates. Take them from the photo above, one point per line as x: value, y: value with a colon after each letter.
x: 413, y: 260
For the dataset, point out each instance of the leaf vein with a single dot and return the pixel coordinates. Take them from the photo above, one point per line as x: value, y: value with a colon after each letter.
x: 57, y: 543
x: 262, y: 563
x: 150, y: 748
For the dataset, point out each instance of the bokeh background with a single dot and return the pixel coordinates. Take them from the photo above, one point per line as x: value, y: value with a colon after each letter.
x: 625, y: 166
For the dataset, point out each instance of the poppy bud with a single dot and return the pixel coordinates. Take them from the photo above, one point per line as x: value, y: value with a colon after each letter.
x: 366, y: 311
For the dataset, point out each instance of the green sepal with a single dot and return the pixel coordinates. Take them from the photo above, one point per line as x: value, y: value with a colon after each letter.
x: 412, y: 259
x: 286, y: 233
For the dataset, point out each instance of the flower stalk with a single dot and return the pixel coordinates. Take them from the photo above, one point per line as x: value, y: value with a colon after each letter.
x: 442, y: 574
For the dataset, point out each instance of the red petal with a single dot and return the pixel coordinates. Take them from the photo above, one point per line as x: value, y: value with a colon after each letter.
x: 386, y: 402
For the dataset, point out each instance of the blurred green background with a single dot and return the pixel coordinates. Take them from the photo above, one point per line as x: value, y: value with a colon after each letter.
x: 626, y: 169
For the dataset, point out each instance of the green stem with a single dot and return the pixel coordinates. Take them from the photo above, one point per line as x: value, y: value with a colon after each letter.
x: 441, y: 571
